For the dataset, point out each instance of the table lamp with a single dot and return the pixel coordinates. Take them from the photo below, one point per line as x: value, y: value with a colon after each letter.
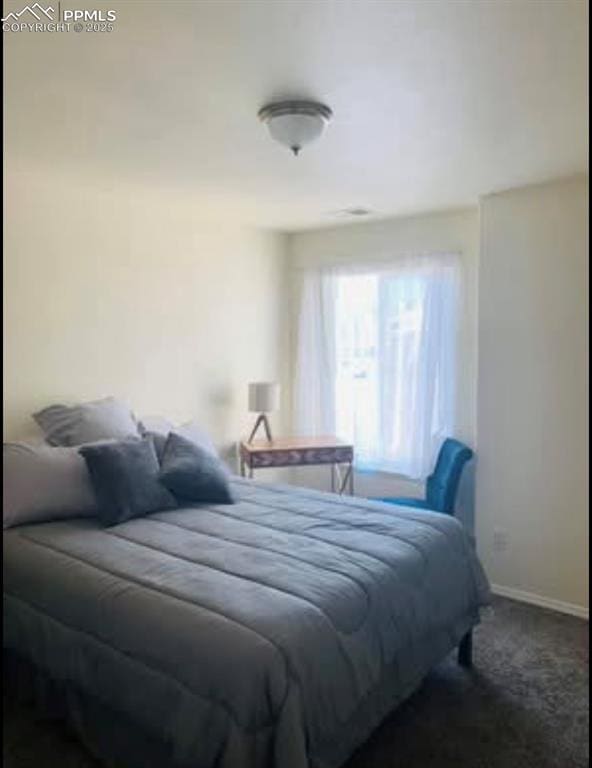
x: 264, y: 397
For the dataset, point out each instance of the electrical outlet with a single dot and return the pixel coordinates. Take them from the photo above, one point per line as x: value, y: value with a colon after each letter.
x: 500, y: 540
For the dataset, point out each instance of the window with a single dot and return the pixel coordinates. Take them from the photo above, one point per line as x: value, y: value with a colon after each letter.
x: 377, y: 360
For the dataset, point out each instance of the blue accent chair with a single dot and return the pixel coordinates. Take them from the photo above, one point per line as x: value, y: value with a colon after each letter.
x: 442, y: 484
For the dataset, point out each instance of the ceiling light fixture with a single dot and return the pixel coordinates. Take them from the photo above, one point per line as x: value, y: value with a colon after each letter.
x: 295, y: 123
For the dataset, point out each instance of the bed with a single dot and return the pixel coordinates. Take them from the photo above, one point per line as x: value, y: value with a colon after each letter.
x: 277, y: 632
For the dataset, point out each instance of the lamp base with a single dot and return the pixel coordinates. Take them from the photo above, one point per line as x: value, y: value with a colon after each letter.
x: 261, y: 419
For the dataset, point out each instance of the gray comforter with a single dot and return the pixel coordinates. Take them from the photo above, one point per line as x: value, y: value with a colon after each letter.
x: 278, y: 631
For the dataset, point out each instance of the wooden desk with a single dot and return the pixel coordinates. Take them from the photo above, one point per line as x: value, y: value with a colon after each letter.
x: 302, y: 451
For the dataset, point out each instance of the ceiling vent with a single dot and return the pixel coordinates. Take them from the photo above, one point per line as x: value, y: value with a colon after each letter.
x: 357, y: 211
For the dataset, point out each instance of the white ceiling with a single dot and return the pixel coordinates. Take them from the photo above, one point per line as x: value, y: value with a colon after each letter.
x: 435, y: 101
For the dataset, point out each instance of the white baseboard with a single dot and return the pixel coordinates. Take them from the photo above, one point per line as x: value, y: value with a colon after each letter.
x: 581, y: 611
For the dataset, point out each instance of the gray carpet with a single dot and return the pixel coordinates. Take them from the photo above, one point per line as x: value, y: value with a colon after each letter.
x: 524, y: 705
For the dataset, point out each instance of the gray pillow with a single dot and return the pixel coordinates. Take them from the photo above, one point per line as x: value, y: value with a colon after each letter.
x: 192, y: 473
x: 44, y: 483
x: 124, y: 475
x: 107, y: 419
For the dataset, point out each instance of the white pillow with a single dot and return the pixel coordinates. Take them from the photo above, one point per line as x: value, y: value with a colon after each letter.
x: 190, y: 431
x: 107, y: 419
x: 42, y: 483
x: 156, y: 424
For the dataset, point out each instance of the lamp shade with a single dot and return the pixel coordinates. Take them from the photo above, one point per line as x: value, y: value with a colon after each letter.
x: 264, y: 396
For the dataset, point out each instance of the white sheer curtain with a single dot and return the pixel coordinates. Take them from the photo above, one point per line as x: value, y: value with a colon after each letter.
x: 376, y: 359
x: 314, y: 396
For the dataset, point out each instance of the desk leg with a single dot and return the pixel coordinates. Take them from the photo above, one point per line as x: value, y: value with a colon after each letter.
x: 345, y: 481
x: 243, y: 468
x: 332, y: 478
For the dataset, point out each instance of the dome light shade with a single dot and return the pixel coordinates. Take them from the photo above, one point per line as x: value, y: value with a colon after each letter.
x: 295, y: 123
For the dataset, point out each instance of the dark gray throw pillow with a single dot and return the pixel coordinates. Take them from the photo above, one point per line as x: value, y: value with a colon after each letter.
x: 124, y: 475
x: 192, y: 473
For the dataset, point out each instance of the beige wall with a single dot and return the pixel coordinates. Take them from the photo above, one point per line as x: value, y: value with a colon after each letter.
x: 456, y: 231
x: 132, y: 292
x: 127, y: 291
x: 532, y: 472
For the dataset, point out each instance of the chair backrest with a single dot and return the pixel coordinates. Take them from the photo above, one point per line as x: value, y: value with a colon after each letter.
x: 442, y: 484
